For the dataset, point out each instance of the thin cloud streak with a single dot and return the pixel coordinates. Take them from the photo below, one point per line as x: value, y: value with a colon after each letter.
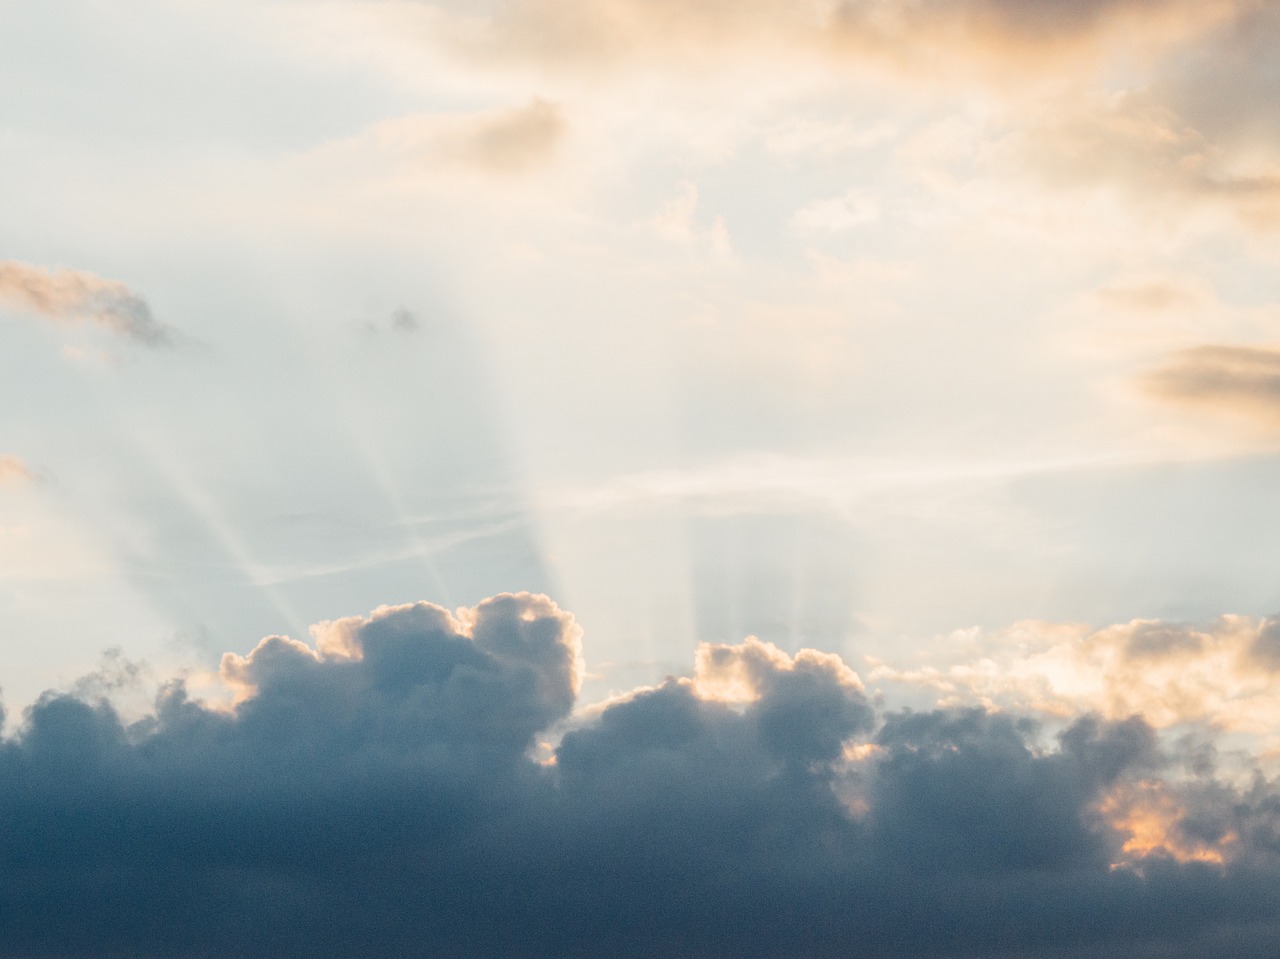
x: 14, y: 469
x: 77, y: 296
x: 1239, y: 380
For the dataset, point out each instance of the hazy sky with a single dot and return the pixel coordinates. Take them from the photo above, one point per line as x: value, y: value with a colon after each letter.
x: 939, y: 336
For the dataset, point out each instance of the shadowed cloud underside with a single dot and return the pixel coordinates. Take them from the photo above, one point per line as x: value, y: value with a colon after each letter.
x: 415, y: 784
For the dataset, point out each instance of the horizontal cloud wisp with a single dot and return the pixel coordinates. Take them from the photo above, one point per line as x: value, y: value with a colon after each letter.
x: 77, y: 296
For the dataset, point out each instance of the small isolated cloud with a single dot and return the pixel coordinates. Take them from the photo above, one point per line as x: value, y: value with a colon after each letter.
x: 678, y: 221
x: 495, y: 142
x: 401, y: 321
x: 76, y: 296
x: 1243, y: 380
x: 510, y: 141
x: 15, y: 470
x: 416, y: 782
x: 404, y: 321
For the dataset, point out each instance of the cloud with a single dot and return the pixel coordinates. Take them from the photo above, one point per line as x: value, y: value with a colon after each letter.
x: 1224, y: 674
x: 512, y: 140
x: 926, y: 35
x: 836, y: 214
x: 76, y: 296
x: 13, y: 469
x: 398, y: 786
x: 1240, y: 380
x: 504, y: 142
x: 1140, y: 142
x: 1226, y: 84
x: 1192, y: 130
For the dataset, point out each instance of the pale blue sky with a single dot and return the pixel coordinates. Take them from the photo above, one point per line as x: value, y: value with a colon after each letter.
x: 822, y: 336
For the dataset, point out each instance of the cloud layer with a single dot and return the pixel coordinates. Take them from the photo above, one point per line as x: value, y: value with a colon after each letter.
x: 397, y: 788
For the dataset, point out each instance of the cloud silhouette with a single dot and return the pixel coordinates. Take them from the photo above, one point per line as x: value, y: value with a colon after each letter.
x: 395, y: 788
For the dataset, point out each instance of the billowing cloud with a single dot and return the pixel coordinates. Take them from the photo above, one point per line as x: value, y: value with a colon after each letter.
x: 76, y: 296
x: 399, y: 787
x: 1241, y: 380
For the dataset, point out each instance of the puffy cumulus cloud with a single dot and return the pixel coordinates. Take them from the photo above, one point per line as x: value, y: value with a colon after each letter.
x: 496, y: 674
x: 76, y: 296
x: 1239, y: 380
x: 508, y: 141
x: 378, y: 791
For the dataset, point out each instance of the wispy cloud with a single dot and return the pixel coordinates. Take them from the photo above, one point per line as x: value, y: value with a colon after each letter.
x: 1241, y: 380
x: 501, y: 142
x: 928, y: 35
x: 76, y: 296
x: 13, y: 469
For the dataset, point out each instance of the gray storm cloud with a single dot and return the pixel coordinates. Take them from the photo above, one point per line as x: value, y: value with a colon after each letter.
x: 396, y: 789
x: 77, y: 296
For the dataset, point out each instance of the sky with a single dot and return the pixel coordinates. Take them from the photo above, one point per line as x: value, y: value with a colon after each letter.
x: 624, y: 477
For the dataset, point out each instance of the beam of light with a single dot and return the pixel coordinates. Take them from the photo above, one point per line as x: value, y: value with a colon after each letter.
x: 203, y: 506
x: 420, y: 549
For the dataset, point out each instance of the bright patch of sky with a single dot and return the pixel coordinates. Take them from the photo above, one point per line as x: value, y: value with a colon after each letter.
x: 796, y: 322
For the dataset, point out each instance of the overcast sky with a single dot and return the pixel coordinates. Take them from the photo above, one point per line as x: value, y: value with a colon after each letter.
x: 935, y: 345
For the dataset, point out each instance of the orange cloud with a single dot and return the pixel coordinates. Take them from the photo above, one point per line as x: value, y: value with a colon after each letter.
x: 77, y: 296
x: 741, y: 673
x: 1243, y: 381
x: 925, y: 34
x: 1225, y: 674
x: 1150, y: 815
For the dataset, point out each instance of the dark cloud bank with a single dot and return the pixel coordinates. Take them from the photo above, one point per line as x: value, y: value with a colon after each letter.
x: 386, y: 796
